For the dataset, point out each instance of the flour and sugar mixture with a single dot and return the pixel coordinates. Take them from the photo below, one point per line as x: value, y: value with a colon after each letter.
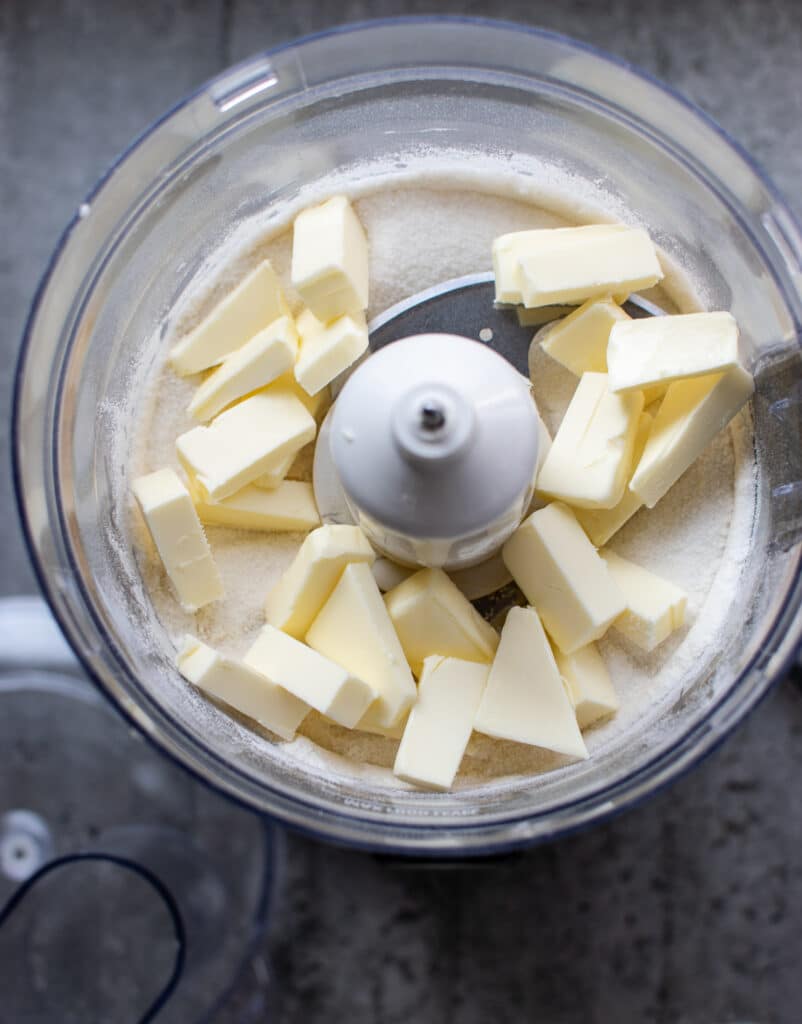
x: 423, y: 229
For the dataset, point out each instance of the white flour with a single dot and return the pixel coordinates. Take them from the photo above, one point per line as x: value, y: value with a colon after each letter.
x: 423, y: 232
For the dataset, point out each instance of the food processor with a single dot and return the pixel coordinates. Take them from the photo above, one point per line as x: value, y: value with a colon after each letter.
x: 334, y: 108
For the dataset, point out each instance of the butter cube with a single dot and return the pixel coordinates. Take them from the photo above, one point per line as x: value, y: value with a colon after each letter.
x: 256, y: 302
x: 261, y: 360
x: 509, y: 249
x: 601, y: 523
x: 290, y: 506
x: 294, y: 602
x: 330, y: 259
x: 327, y: 687
x: 178, y: 535
x: 328, y: 349
x: 245, y: 441
x: 317, y: 404
x: 277, y: 473
x: 691, y: 414
x: 525, y: 700
x: 588, y: 266
x: 354, y: 629
x: 588, y: 684
x: 562, y: 575
x: 661, y: 349
x: 432, y: 616
x: 590, y: 459
x: 655, y: 607
x: 241, y: 688
x: 579, y: 341
x: 441, y: 722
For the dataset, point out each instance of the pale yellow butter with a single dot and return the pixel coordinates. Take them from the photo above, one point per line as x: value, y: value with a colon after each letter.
x: 588, y: 266
x: 601, y: 523
x: 179, y: 538
x: 330, y: 259
x: 432, y: 616
x: 655, y: 606
x: 256, y: 302
x: 245, y: 441
x: 508, y: 250
x: 277, y: 473
x: 579, y: 341
x: 354, y: 629
x: 289, y: 507
x: 317, y: 404
x: 562, y: 575
x: 689, y: 417
x: 328, y: 349
x: 296, y: 599
x: 325, y: 686
x: 588, y: 684
x: 241, y: 688
x: 263, y: 359
x: 590, y: 458
x: 441, y: 722
x: 660, y: 349
x: 525, y: 699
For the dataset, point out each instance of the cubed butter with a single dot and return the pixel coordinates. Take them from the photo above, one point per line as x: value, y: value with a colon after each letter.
x: 508, y: 250
x: 588, y: 266
x: 579, y: 340
x: 294, y: 602
x: 525, y: 700
x: 590, y: 459
x: 655, y: 607
x: 276, y: 474
x: 660, y: 349
x: 441, y: 722
x: 601, y: 523
x: 179, y: 538
x: 260, y: 361
x: 328, y: 349
x: 588, y: 684
x: 256, y: 302
x: 562, y: 575
x: 327, y: 687
x: 245, y: 441
x: 691, y: 414
x: 432, y: 616
x: 330, y: 259
x: 289, y: 507
x: 241, y: 688
x: 316, y: 404
x: 354, y: 629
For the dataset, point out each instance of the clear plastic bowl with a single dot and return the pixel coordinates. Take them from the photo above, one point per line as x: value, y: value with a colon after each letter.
x: 257, y: 134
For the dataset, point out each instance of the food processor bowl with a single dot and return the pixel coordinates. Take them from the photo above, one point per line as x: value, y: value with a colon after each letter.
x: 252, y: 139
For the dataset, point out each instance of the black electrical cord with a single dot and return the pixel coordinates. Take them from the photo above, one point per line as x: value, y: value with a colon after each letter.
x: 144, y: 873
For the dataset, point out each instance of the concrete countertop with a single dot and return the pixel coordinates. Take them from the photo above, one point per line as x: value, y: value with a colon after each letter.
x: 684, y: 910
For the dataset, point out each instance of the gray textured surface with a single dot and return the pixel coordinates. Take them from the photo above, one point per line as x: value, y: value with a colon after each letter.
x: 685, y: 910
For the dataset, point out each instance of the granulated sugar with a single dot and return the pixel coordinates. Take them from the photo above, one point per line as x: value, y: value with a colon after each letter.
x: 422, y: 233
